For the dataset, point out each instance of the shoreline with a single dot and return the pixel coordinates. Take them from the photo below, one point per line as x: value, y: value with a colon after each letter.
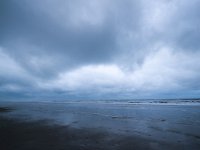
x: 19, y: 134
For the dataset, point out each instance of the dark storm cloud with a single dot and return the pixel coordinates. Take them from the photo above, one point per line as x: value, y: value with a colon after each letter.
x: 29, y: 33
x: 108, y: 45
x: 183, y: 30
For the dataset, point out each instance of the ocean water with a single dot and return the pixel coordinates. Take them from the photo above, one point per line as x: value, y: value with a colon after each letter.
x: 175, y: 121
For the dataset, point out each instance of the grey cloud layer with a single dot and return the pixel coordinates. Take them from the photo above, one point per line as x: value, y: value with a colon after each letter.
x: 32, y: 31
x: 44, y: 40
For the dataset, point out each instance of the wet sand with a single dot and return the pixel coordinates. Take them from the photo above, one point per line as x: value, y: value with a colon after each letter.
x: 44, y: 134
x: 40, y: 135
x: 17, y: 135
x: 5, y: 109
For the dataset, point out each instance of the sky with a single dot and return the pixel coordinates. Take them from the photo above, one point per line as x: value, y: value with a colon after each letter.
x: 99, y: 49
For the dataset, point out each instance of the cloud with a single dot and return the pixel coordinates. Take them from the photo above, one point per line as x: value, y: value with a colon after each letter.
x: 130, y: 47
x: 71, y: 33
x: 13, y: 76
x: 164, y: 70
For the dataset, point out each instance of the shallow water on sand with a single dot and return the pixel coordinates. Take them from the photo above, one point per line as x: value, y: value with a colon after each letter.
x: 171, y: 123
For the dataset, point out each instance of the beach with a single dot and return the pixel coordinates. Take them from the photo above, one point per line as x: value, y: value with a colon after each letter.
x: 103, y: 126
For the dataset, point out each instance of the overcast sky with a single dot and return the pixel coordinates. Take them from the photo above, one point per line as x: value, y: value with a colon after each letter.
x: 99, y: 49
